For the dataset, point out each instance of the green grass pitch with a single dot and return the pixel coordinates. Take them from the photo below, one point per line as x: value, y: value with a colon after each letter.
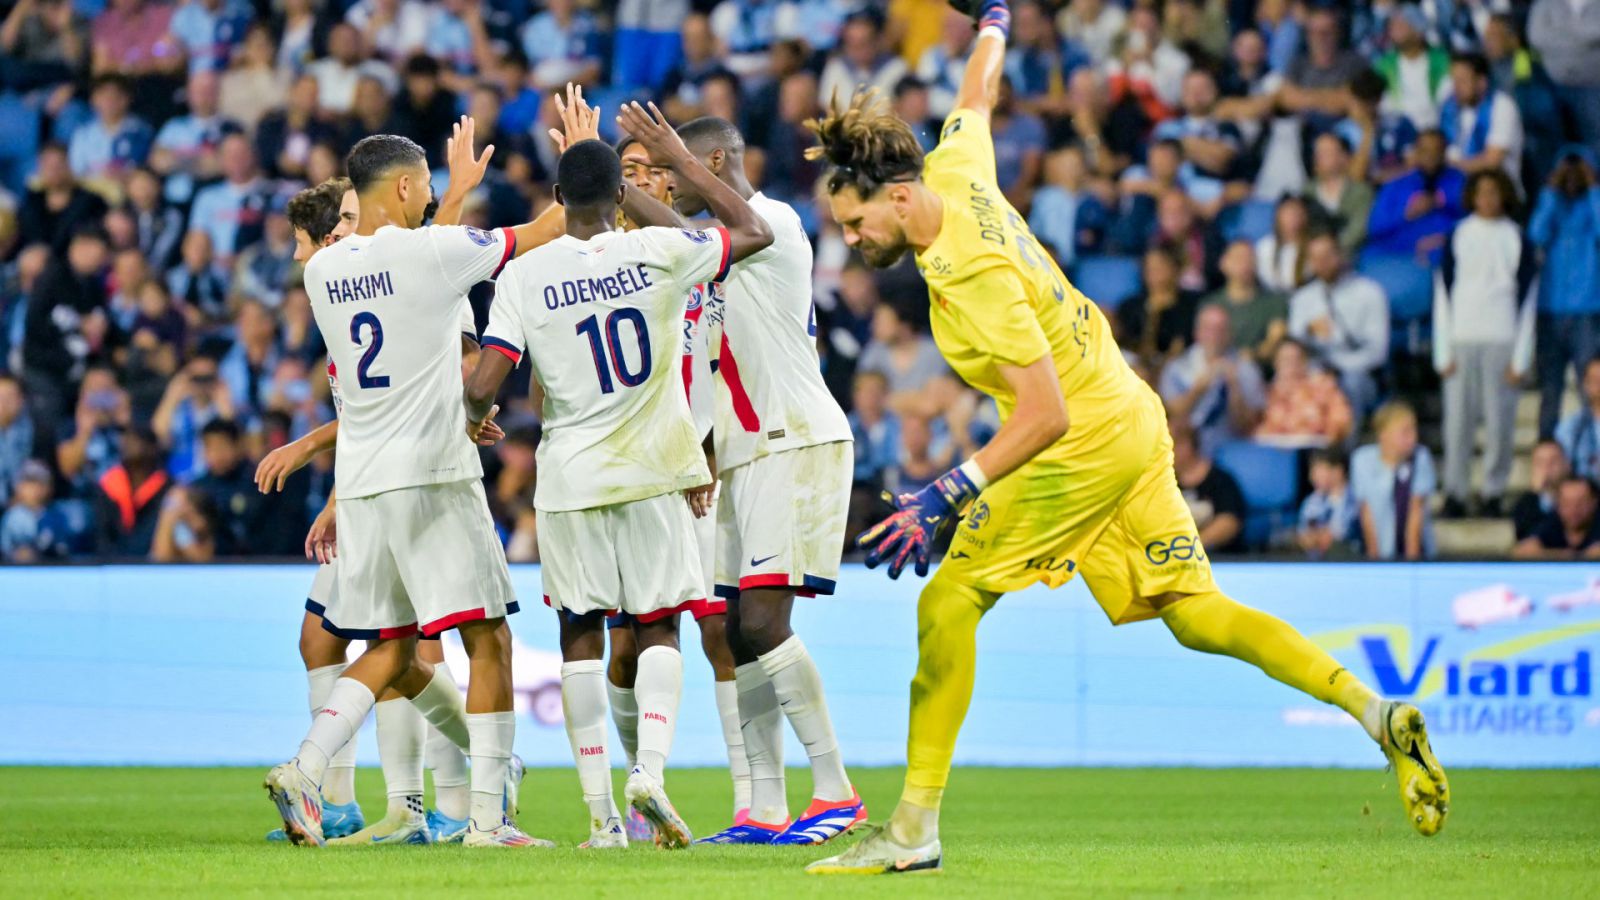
x: 1013, y: 833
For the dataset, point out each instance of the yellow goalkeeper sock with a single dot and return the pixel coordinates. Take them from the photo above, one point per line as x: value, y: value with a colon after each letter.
x: 1212, y: 623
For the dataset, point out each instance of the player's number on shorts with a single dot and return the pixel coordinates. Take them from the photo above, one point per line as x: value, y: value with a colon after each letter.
x: 369, y: 321
x: 615, y: 361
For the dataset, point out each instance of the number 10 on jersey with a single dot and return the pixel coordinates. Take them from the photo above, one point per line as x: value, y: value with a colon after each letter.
x: 608, y: 356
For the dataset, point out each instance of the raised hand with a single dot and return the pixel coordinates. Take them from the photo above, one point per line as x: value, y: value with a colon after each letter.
x: 579, y: 120
x: 466, y: 168
x: 907, y: 536
x: 651, y: 130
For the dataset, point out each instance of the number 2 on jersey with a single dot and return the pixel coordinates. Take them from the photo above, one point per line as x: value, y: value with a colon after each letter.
x: 368, y: 320
x: 615, y: 362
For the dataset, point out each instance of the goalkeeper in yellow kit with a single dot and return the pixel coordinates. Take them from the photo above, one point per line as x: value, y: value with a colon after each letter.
x: 1079, y: 477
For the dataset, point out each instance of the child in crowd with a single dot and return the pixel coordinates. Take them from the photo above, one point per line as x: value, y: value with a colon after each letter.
x: 1392, y: 480
x: 1328, y: 514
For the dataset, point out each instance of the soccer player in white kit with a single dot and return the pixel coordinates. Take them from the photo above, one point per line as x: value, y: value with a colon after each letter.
x: 784, y: 454
x: 600, y: 314
x: 419, y: 551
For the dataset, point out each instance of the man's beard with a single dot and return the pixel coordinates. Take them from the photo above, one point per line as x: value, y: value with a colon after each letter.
x: 880, y: 257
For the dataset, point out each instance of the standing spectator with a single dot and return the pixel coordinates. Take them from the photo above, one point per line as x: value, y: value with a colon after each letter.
x: 16, y: 432
x: 861, y: 60
x: 1148, y: 68
x: 1547, y: 469
x: 1483, y: 322
x: 563, y: 44
x: 64, y: 326
x: 747, y: 28
x: 1572, y: 531
x: 876, y: 430
x: 1304, y: 403
x: 43, y: 44
x: 1392, y: 481
x: 1328, y: 515
x: 232, y: 212
x: 1382, y: 140
x: 185, y: 150
x: 1213, y: 496
x: 1482, y: 125
x: 1514, y: 70
x: 1039, y: 62
x: 128, y: 497
x: 1413, y: 213
x: 1414, y: 71
x: 33, y: 528
x: 943, y: 64
x: 1155, y: 326
x: 1344, y: 318
x: 114, y: 140
x: 1337, y: 201
x: 1566, y: 226
x: 1066, y: 215
x: 252, y: 85
x: 57, y: 207
x: 1213, y: 388
x: 1567, y: 35
x: 1315, y: 82
x: 1094, y: 25
x: 1211, y: 144
x: 1258, y: 318
x: 1281, y: 255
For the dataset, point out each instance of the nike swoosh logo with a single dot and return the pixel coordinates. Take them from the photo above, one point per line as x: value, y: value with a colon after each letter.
x: 961, y: 554
x: 757, y: 562
x: 903, y: 864
x: 785, y: 702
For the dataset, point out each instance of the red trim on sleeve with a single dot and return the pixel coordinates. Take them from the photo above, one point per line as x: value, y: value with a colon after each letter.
x: 727, y: 254
x: 510, y: 251
x: 728, y: 368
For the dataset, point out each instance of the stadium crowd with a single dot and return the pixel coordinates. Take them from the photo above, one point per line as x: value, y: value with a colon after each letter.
x: 1338, y: 238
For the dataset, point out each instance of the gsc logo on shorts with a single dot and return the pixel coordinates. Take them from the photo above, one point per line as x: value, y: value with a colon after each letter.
x: 1183, y: 548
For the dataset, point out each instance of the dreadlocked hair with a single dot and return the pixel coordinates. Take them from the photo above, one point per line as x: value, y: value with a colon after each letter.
x: 866, y: 144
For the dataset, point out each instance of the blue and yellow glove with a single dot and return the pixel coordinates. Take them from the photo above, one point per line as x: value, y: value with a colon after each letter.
x: 909, y: 533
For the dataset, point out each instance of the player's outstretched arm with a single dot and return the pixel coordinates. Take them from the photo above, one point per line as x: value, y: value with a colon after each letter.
x: 466, y: 170
x: 980, y: 83
x: 748, y: 233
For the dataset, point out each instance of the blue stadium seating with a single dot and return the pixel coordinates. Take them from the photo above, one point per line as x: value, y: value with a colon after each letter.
x: 19, y: 142
x: 1410, y: 289
x: 1269, y: 478
x: 1249, y: 221
x: 1107, y: 280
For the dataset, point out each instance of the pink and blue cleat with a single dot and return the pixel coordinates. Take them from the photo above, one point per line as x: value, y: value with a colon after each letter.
x: 824, y: 820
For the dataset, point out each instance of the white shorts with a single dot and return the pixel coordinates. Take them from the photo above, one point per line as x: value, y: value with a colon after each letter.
x: 640, y: 558
x: 782, y: 518
x: 419, y: 558
x: 324, y: 585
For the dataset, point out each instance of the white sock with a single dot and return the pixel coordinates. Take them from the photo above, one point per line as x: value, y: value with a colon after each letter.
x: 762, y: 726
x: 799, y: 687
x: 449, y: 764
x: 583, y: 702
x: 339, y: 782
x: 348, y: 703
x: 625, y: 713
x: 400, y: 735
x: 658, y: 688
x: 728, y: 712
x: 493, y: 734
x: 441, y: 704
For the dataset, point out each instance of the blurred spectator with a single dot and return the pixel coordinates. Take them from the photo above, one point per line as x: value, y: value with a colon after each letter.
x: 1257, y: 318
x: 1392, y: 481
x: 1304, y: 404
x: 920, y: 460
x: 1413, y: 213
x: 1019, y: 144
x: 1344, y: 318
x: 194, y: 398
x: 1039, y: 62
x: 1210, y: 144
x: 1382, y: 140
x: 1547, y: 469
x: 1415, y: 73
x: 338, y: 73
x: 1156, y: 324
x: 286, y: 135
x: 1567, y: 35
x: 1328, y: 515
x: 680, y: 92
x: 94, y: 444
x: 1213, y: 496
x: 208, y: 29
x: 133, y: 38
x: 198, y: 281
x: 1515, y: 70
x: 392, y: 29
x: 942, y: 65
x: 1577, y: 433
x: 1572, y: 531
x: 459, y: 39
x: 1483, y: 322
x: 910, y: 105
x: 1315, y: 81
x: 1213, y: 388
x: 33, y: 528
x: 746, y: 28
x: 1093, y: 25
x: 186, y: 528
x: 876, y: 430
x: 1148, y: 68
x: 43, y: 44
x: 249, y: 365
x: 918, y: 378
x: 1198, y: 249
x: 914, y: 25
x: 1067, y: 216
x: 158, y: 226
x: 1337, y: 201
x: 424, y: 111
x: 861, y: 60
x: 155, y: 344
x: 128, y: 496
x: 1281, y: 255
x: 1482, y: 125
x: 185, y: 152
x: 233, y: 211
x: 1279, y: 26
x: 114, y: 140
x: 1566, y: 226
x: 16, y: 433
x: 57, y: 207
x: 263, y: 269
x: 244, y: 522
x: 252, y: 85
x: 64, y: 326
x: 563, y: 44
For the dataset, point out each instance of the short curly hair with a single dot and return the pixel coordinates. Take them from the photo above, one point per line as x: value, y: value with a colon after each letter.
x: 315, y: 210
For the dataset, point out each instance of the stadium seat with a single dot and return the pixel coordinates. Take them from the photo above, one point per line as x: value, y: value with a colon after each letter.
x: 1409, y: 285
x: 1107, y: 280
x: 1269, y: 478
x: 19, y: 142
x: 1249, y: 221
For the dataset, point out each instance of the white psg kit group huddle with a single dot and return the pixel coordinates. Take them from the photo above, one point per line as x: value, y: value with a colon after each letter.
x: 622, y: 331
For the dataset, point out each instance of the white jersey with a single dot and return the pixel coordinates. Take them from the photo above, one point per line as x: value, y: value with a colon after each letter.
x: 602, y: 320
x: 697, y: 377
x: 469, y: 330
x: 389, y: 306
x: 770, y: 393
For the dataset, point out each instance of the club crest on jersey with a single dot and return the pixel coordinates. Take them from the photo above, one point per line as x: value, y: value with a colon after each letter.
x: 480, y: 237
x: 699, y: 237
x: 697, y: 298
